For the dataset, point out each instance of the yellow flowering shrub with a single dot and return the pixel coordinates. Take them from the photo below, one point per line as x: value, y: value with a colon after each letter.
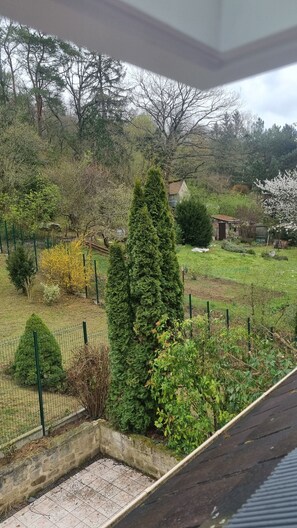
x: 63, y: 265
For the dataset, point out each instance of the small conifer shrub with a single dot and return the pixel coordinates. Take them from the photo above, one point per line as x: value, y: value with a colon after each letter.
x: 21, y: 269
x: 50, y: 359
x: 194, y: 223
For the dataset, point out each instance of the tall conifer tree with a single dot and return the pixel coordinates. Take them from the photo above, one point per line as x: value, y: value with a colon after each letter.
x: 120, y: 331
x: 157, y: 202
x: 145, y: 291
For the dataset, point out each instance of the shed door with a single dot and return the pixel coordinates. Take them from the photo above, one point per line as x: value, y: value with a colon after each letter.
x: 222, y: 230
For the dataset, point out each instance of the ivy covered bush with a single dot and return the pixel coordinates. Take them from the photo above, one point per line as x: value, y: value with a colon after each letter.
x: 52, y: 374
x: 200, y: 380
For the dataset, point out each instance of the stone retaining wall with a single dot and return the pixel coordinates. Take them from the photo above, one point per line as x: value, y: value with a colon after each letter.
x: 23, y: 478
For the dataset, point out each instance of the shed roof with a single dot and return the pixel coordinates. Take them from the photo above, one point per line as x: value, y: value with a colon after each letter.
x: 175, y: 187
x: 225, y: 218
x: 213, y: 484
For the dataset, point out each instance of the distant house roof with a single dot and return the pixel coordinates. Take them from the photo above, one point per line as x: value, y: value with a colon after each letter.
x: 210, y: 486
x: 225, y: 218
x: 175, y: 187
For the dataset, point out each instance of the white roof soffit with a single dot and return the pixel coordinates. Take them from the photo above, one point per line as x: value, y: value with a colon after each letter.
x: 203, y: 43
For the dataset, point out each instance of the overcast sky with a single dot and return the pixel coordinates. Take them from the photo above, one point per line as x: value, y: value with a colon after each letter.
x: 271, y: 96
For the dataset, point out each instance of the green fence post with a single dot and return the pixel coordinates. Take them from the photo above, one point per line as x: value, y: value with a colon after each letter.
x: 1, y: 248
x: 227, y: 319
x: 13, y: 236
x: 47, y: 242
x: 6, y: 236
x: 96, y: 281
x: 249, y: 333
x: 208, y: 315
x: 35, y: 251
x: 85, y: 332
x: 84, y: 264
x: 295, y: 328
x: 22, y: 236
x: 39, y: 385
x: 190, y: 306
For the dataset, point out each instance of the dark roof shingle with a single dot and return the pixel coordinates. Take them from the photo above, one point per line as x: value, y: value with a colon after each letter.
x: 211, y: 487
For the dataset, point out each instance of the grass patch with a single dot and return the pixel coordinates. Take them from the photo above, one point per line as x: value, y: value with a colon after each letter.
x: 243, y: 283
x: 15, y: 307
x: 19, y: 408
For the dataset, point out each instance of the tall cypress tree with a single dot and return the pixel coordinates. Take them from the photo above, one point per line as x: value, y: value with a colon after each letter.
x: 120, y: 331
x: 137, y: 296
x: 157, y: 202
x: 145, y: 291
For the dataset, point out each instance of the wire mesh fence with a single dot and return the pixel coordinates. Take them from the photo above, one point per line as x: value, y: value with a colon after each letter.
x: 12, y: 236
x: 232, y: 317
x: 19, y: 405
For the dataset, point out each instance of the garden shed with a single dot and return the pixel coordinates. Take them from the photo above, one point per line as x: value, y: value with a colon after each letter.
x: 177, y: 191
x: 225, y: 226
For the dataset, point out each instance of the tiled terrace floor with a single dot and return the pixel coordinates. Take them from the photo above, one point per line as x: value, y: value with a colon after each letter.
x: 86, y: 500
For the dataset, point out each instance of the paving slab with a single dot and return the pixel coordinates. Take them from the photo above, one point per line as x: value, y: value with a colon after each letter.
x: 87, y: 499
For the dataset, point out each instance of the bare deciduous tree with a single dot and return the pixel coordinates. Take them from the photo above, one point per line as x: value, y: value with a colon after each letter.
x: 180, y: 115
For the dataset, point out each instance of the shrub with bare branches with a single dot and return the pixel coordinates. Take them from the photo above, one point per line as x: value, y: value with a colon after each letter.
x: 88, y: 378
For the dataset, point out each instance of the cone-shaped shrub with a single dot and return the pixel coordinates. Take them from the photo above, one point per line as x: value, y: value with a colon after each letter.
x: 194, y: 222
x: 50, y: 358
x: 158, y: 207
x: 120, y: 330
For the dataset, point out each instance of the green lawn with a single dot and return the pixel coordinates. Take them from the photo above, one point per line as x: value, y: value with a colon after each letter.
x: 242, y: 282
x: 15, y: 307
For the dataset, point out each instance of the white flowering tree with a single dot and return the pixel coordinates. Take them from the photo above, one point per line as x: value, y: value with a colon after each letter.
x: 280, y: 199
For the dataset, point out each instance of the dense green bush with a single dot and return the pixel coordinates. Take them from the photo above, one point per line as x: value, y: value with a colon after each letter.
x: 200, y: 380
x: 194, y: 223
x: 21, y: 269
x: 235, y: 248
x: 50, y: 358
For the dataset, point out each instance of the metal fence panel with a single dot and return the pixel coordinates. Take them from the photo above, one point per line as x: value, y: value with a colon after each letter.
x: 19, y: 406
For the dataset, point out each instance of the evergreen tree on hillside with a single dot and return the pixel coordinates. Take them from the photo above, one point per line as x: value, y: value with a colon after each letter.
x: 158, y: 207
x: 120, y: 330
